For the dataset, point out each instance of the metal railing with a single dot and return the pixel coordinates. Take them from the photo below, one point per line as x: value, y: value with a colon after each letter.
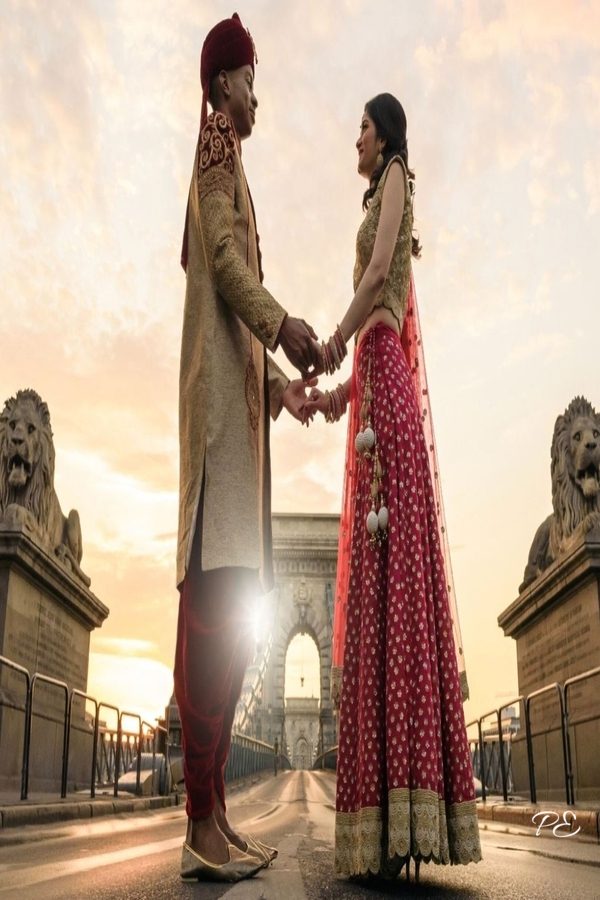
x: 36, y: 678
x: 326, y: 760
x: 504, y: 741
x: 21, y: 670
x: 112, y: 751
x: 115, y: 749
x: 247, y: 756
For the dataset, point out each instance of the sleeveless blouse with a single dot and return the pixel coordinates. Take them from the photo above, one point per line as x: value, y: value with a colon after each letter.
x: 394, y: 293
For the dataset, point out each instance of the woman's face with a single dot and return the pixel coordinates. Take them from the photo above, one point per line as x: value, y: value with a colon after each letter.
x: 368, y: 146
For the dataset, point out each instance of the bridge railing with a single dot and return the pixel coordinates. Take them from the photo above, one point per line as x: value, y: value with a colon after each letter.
x: 327, y: 759
x: 492, y: 753
x: 112, y: 750
x: 126, y: 743
x: 248, y: 756
x: 115, y: 749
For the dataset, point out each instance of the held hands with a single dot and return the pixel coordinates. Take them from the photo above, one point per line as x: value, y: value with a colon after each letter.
x: 317, y: 402
x: 299, y: 343
x: 294, y: 399
x: 332, y: 404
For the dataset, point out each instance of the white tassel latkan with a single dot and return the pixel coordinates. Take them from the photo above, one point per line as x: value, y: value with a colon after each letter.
x: 366, y: 446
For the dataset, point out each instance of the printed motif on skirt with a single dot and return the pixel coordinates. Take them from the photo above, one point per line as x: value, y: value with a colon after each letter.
x: 404, y: 778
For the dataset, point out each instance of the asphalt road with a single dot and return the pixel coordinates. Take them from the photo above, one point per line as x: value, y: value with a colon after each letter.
x: 135, y: 857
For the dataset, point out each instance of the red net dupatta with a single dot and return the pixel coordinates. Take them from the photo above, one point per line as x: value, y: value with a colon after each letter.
x: 412, y: 344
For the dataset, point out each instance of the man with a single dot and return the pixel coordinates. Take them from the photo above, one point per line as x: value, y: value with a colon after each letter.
x: 228, y: 387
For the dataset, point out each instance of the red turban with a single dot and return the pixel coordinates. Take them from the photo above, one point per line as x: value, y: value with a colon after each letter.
x: 227, y: 46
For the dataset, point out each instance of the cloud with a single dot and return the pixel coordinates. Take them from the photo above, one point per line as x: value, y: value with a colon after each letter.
x: 541, y: 26
x: 430, y: 60
x: 550, y: 346
x: 539, y: 197
x: 133, y: 683
x: 125, y: 646
x: 137, y: 518
x: 99, y: 108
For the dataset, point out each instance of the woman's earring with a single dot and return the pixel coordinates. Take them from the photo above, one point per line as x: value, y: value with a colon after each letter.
x: 379, y: 160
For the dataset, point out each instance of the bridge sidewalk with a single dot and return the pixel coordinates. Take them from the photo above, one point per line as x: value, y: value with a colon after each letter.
x: 45, y: 809
x: 565, y: 819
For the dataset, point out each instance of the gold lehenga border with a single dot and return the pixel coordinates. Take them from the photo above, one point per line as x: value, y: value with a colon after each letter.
x: 420, y: 824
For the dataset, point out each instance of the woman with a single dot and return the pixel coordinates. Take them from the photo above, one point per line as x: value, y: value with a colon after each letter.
x: 405, y: 781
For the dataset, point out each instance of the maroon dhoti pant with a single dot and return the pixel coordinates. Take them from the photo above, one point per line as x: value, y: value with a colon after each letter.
x: 214, y: 644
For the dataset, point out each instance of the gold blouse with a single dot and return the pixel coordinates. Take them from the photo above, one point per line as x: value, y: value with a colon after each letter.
x: 394, y: 293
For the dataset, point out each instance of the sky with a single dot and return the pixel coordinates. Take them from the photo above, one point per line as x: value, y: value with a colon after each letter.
x: 99, y: 111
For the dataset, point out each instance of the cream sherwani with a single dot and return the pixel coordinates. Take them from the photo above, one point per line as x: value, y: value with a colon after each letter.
x: 228, y: 383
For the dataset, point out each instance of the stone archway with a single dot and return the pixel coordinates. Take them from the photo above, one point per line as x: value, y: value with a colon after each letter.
x: 297, y: 689
x: 302, y: 753
x: 305, y: 557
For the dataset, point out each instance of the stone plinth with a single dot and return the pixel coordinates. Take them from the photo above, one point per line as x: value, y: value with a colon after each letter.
x: 46, y: 616
x: 556, y: 625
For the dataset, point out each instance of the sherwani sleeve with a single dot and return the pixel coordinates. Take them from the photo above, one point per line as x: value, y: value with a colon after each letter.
x: 278, y: 381
x: 234, y: 280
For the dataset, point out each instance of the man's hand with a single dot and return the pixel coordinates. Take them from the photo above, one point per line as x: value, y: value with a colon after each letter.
x: 299, y: 343
x: 294, y: 398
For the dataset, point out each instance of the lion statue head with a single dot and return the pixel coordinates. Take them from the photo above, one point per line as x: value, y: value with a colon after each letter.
x: 26, y: 454
x: 27, y: 496
x: 575, y: 471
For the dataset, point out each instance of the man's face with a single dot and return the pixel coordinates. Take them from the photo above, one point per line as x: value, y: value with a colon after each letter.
x: 241, y: 102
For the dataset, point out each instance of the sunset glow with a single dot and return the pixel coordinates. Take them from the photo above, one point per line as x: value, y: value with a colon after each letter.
x: 99, y: 110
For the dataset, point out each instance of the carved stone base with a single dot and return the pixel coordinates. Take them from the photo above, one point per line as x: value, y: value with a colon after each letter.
x: 46, y: 616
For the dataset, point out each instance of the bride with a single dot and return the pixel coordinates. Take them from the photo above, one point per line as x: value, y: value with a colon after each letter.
x: 404, y: 776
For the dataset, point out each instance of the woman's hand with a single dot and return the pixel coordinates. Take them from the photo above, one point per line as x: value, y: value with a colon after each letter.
x: 317, y: 402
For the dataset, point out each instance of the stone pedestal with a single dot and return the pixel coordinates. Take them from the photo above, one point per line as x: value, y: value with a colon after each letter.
x: 46, y: 616
x: 556, y: 625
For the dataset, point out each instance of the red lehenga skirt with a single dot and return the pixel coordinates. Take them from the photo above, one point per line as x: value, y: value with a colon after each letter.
x: 404, y: 774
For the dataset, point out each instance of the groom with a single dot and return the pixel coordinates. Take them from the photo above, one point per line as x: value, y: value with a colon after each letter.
x: 228, y: 387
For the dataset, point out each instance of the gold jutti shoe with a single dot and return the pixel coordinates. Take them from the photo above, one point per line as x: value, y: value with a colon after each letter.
x: 269, y: 853
x: 240, y: 865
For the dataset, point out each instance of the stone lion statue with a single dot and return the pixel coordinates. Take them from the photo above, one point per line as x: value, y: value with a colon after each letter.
x: 575, y: 471
x: 27, y: 495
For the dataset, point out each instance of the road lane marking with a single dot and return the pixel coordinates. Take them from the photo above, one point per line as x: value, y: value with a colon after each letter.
x: 20, y: 876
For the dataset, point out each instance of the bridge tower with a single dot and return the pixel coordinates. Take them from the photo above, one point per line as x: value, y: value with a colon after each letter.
x: 305, y: 558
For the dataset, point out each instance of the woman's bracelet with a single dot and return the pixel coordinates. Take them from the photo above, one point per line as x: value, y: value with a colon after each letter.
x: 337, y: 404
x: 334, y: 351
